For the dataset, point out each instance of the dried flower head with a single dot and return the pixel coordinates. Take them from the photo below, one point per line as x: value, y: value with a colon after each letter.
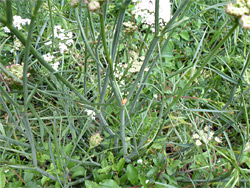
x: 240, y: 9
x: 16, y: 70
x: 95, y: 140
x: 74, y: 3
x: 93, y: 5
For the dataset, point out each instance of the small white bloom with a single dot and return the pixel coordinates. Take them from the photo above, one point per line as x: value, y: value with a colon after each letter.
x: 202, y: 133
x: 206, y: 128
x: 195, y: 136
x: 217, y: 139
x: 69, y: 42
x: 146, y: 9
x: 139, y: 161
x: 62, y: 36
x: 56, y: 65
x: 198, y: 143
x: 57, y: 31
x: 6, y: 29
x: 70, y: 35
x: 48, y: 57
x: 58, y: 27
x: 18, y: 21
x: 247, y: 147
x: 155, y: 96
x: 146, y: 181
x: 210, y: 135
x: 62, y: 47
x: 48, y: 43
x: 26, y: 21
x: 91, y: 113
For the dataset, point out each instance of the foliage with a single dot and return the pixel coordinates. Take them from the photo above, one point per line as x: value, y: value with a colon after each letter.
x: 92, y: 96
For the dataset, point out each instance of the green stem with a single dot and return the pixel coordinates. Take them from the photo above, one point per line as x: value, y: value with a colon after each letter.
x: 110, y: 63
x: 198, y: 72
x: 9, y: 13
x: 157, y: 24
x: 39, y: 57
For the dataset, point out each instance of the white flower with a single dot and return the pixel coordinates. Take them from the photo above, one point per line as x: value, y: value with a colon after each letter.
x: 217, y: 139
x: 62, y: 36
x: 48, y: 43
x: 70, y: 35
x: 146, y: 181
x: 155, y: 96
x: 57, y: 31
x: 56, y: 65
x: 18, y: 21
x: 62, y: 47
x: 58, y: 27
x: 195, y: 136
x: 247, y: 147
x: 206, y: 128
x: 146, y: 9
x: 139, y: 161
x: 48, y: 57
x: 26, y: 21
x: 69, y: 42
x: 198, y: 143
x: 91, y: 113
x: 6, y: 29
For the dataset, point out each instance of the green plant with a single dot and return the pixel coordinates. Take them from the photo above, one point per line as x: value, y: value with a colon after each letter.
x: 100, y: 90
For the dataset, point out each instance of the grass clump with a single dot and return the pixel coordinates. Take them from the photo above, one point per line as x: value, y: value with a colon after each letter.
x: 97, y: 94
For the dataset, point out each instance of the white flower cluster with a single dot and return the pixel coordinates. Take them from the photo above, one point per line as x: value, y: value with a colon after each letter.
x: 18, y: 22
x: 48, y: 57
x: 240, y: 9
x: 59, y: 33
x: 205, y: 135
x: 65, y: 41
x: 146, y: 10
x: 17, y: 46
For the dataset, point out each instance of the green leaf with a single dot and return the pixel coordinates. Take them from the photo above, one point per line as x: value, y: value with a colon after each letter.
x: 91, y: 184
x: 67, y: 149
x: 143, y: 181
x: 132, y: 174
x: 44, y: 158
x: 28, y: 176
x: 152, y: 172
x: 2, y: 178
x: 57, y: 185
x: 78, y: 171
x: 105, y: 169
x: 44, y: 180
x: 184, y: 34
x: 31, y: 184
x: 71, y: 164
x: 120, y: 164
x: 109, y: 184
x: 104, y: 163
x: 111, y: 157
x: 188, y: 51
